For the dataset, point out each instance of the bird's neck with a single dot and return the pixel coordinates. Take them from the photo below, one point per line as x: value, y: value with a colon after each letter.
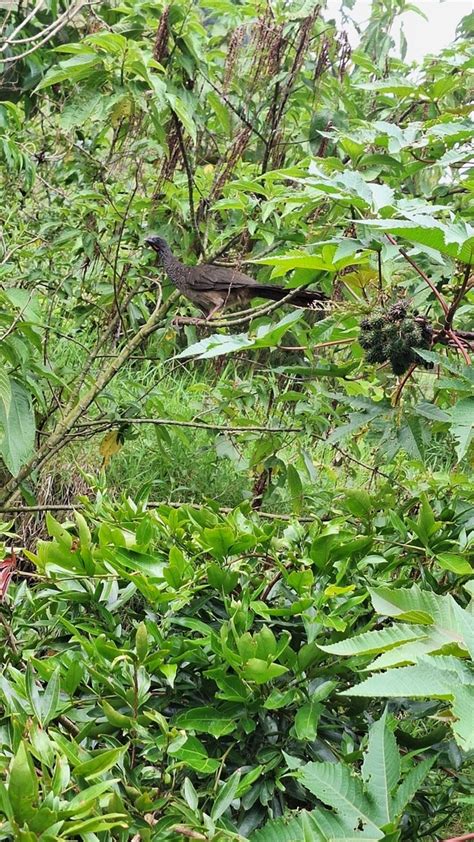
x: 169, y: 262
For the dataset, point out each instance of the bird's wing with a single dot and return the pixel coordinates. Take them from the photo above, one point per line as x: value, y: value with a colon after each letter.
x: 209, y: 277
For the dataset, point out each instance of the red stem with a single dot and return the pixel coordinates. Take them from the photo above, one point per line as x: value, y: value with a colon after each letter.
x: 460, y: 838
x: 421, y: 273
x: 401, y: 387
x: 459, y: 344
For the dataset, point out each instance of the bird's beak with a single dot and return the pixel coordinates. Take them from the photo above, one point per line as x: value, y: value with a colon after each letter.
x: 150, y: 241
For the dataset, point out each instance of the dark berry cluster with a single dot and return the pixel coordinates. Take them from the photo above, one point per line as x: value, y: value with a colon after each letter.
x: 392, y: 335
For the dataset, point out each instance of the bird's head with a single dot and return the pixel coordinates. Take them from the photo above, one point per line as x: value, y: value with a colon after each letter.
x: 158, y: 244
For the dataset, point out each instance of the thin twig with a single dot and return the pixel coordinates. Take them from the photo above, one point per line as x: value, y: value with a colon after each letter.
x: 156, y: 504
x: 11, y: 39
x: 460, y: 838
x: 17, y: 318
x: 420, y: 272
x: 189, y: 176
x: 458, y: 298
x: 452, y: 335
x: 101, y: 426
x: 9, y: 633
x: 117, y: 250
x: 245, y: 316
x: 48, y: 33
x: 171, y: 422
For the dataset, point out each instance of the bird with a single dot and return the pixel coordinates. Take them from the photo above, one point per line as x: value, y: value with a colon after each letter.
x: 214, y: 288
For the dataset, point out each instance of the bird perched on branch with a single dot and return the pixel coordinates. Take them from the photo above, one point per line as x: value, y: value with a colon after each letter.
x: 215, y: 288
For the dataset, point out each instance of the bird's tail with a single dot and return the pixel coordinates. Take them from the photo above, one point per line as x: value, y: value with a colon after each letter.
x: 301, y: 298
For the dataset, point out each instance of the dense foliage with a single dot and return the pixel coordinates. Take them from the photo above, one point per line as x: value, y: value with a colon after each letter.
x: 236, y: 571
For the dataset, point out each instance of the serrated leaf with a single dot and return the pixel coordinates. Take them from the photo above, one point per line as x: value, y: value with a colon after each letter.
x: 418, y: 681
x: 375, y: 641
x: 381, y: 769
x: 335, y: 786
x: 452, y: 239
x: 410, y: 785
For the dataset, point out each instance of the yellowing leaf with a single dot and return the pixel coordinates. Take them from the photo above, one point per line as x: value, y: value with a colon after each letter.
x: 335, y: 590
x: 109, y: 446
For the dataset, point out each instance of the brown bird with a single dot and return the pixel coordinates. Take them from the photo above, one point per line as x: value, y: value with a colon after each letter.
x: 214, y: 288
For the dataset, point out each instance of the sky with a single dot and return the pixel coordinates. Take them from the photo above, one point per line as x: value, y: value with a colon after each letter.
x: 423, y: 36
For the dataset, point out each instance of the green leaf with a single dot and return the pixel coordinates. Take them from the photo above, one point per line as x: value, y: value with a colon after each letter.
x: 260, y: 671
x: 462, y: 425
x: 192, y: 753
x: 456, y: 563
x: 5, y: 391
x: 181, y: 110
x: 141, y: 642
x: 73, y: 70
x: 50, y: 698
x: 306, y: 720
x: 19, y: 429
x: 375, y: 641
x: 206, y: 720
x: 116, y: 718
x: 266, y: 336
x: 102, y: 762
x: 296, y: 489
x: 219, y: 539
x: 451, y: 239
x: 358, y: 501
x: 190, y: 794
x: 381, y: 769
x: 87, y: 797
x: 414, y: 682
x: 225, y: 796
x: 410, y: 785
x: 22, y: 785
x: 335, y: 786
x: 96, y: 825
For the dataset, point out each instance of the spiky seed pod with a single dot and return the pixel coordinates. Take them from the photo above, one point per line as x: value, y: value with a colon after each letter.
x: 401, y: 364
x: 376, y: 354
x: 379, y: 322
x: 397, y: 311
x: 366, y: 339
x: 393, y: 335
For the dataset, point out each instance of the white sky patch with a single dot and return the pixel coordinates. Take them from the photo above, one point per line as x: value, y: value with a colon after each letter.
x: 424, y: 35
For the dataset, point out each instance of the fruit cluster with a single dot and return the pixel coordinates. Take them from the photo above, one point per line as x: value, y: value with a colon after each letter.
x: 392, y: 336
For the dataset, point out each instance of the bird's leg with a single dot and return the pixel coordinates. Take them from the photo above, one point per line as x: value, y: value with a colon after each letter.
x: 214, y: 310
